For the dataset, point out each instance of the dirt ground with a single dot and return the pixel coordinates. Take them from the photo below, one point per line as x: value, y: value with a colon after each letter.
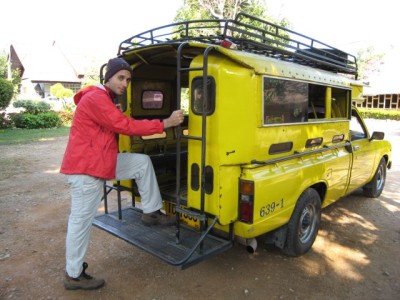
x: 355, y: 256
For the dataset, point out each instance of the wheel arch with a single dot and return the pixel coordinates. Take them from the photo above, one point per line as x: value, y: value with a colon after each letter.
x: 321, y: 189
x: 388, y: 163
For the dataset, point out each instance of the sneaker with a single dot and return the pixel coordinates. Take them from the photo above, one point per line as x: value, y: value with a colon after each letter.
x: 158, y: 218
x: 84, y: 281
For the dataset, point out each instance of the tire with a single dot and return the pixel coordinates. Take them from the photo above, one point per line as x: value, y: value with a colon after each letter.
x: 304, y: 224
x: 374, y: 188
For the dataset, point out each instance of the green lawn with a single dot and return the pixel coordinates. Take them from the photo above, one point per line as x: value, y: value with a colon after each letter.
x: 22, y: 136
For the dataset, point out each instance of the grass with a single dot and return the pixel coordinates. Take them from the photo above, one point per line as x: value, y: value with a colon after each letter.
x: 23, y: 136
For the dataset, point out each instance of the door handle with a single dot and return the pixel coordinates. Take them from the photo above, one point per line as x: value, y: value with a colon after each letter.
x: 355, y: 148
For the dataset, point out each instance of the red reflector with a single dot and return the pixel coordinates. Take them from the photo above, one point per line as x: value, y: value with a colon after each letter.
x: 228, y: 44
x: 246, y: 212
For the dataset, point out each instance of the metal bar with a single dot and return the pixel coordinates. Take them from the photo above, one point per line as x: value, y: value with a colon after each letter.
x: 203, y: 235
x: 191, y: 137
x: 119, y: 200
x: 105, y: 197
x: 267, y: 39
x: 299, y: 154
x: 133, y: 193
x: 178, y: 140
x: 191, y: 69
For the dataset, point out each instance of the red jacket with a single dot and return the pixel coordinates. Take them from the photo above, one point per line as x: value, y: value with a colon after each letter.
x: 92, y: 146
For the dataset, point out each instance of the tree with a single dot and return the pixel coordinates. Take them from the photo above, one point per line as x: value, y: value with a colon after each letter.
x: 228, y: 9
x: 59, y: 91
x: 6, y: 93
x: 368, y: 62
x: 3, y: 66
x: 15, y: 74
x: 224, y: 9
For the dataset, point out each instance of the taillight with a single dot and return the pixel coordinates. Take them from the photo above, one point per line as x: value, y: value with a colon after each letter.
x: 246, y: 201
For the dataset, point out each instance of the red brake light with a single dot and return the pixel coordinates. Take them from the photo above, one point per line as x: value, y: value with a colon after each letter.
x: 246, y: 201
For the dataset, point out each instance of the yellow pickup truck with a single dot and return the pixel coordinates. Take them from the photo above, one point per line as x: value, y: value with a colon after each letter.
x: 270, y: 137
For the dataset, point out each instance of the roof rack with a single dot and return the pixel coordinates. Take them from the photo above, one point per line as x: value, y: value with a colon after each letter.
x: 250, y: 34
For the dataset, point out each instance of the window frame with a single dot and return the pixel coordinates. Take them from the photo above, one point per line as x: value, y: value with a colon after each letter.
x: 307, y: 119
x: 211, y: 88
x: 152, y: 108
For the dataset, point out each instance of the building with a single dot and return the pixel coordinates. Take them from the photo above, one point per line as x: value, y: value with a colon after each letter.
x: 383, y: 91
x: 43, y: 66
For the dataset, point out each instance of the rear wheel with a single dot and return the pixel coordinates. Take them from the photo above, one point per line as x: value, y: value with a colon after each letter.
x: 374, y: 188
x: 304, y: 224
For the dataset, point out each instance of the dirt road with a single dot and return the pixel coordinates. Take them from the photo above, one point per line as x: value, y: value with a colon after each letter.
x: 355, y: 256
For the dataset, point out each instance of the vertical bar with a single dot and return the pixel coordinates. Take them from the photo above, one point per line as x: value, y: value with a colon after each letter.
x: 133, y: 192
x: 105, y: 197
x: 328, y: 103
x: 178, y: 141
x: 119, y: 200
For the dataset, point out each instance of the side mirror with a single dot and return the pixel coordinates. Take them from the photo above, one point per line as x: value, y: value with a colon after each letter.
x: 377, y: 135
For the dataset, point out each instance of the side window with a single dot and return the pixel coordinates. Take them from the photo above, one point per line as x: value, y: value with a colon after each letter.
x: 198, y: 102
x: 316, y: 105
x: 328, y: 102
x: 340, y: 102
x: 357, y: 130
x: 284, y: 101
x: 152, y: 99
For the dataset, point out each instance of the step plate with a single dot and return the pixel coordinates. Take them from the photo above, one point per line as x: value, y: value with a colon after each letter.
x: 160, y: 240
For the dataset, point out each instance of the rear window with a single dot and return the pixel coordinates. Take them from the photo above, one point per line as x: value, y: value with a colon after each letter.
x: 152, y: 100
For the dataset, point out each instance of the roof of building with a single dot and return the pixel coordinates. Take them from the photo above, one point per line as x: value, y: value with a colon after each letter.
x: 42, y: 63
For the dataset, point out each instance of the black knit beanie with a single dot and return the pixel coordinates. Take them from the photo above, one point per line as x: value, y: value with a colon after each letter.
x: 114, y: 65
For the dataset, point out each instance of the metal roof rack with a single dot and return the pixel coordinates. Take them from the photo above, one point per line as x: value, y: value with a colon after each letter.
x: 250, y: 34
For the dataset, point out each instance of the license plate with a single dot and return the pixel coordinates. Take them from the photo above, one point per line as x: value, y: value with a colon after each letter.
x: 185, y: 219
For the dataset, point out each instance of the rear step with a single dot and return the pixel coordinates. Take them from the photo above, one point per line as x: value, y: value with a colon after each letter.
x: 161, y: 240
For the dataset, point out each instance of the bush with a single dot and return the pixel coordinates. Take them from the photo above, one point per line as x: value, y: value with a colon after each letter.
x: 27, y: 121
x: 382, y: 114
x: 5, y: 121
x: 6, y: 93
x: 34, y: 121
x: 32, y: 107
x: 50, y: 119
x: 66, y: 117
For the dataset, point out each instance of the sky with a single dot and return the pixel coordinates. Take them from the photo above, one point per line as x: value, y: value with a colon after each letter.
x: 98, y: 26
x: 349, y: 25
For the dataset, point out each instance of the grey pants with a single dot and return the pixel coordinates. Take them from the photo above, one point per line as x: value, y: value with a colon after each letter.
x: 86, y: 193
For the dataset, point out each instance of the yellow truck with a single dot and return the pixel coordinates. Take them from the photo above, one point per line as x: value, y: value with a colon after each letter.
x: 270, y: 137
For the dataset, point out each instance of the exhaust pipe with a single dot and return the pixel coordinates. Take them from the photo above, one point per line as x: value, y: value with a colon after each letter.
x: 251, y: 245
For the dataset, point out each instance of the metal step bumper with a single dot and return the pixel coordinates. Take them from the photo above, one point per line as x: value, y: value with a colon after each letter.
x: 161, y: 241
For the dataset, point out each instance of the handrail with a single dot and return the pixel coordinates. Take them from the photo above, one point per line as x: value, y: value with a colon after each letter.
x: 297, y: 154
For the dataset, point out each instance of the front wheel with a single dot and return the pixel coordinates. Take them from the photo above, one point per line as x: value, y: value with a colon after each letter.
x: 304, y: 224
x: 374, y: 188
